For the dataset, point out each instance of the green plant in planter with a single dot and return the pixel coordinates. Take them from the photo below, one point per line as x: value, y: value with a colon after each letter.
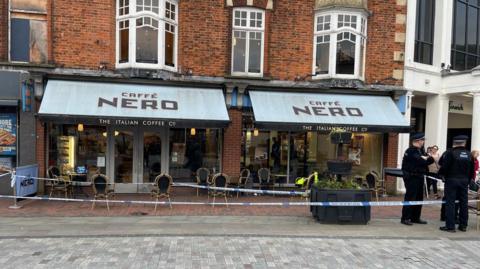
x: 332, y: 184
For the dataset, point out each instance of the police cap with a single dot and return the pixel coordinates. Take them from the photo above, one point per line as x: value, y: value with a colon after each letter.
x: 417, y: 136
x: 460, y: 138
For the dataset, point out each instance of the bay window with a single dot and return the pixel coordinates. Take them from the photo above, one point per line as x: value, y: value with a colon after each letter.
x: 339, y: 44
x: 247, y: 42
x: 147, y: 34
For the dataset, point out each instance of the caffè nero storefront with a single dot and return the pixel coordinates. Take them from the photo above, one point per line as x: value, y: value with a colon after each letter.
x: 288, y: 132
x: 132, y: 132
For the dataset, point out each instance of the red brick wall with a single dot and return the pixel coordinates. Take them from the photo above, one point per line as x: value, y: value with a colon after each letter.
x: 204, y: 37
x: 381, y: 43
x: 41, y: 149
x: 390, y: 151
x: 3, y: 30
x: 84, y: 33
x: 232, y: 138
x: 290, y: 46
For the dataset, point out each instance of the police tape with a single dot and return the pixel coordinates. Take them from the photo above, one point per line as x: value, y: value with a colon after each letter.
x: 240, y: 189
x: 283, y: 204
x: 5, y: 174
x: 179, y: 184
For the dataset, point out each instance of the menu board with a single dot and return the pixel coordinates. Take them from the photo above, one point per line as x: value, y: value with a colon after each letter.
x: 8, y: 134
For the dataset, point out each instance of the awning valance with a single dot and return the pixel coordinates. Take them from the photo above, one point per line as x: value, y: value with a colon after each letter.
x: 133, y: 105
x: 294, y: 111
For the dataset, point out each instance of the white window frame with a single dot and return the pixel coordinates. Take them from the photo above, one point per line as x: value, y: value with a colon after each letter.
x: 248, y: 30
x: 161, y: 18
x: 332, y: 32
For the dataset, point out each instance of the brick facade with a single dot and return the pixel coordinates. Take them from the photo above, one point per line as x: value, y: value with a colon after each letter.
x: 232, y: 137
x: 390, y: 151
x: 3, y: 30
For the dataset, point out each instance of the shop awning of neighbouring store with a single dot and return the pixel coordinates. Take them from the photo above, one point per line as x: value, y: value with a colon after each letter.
x: 295, y: 111
x: 123, y: 104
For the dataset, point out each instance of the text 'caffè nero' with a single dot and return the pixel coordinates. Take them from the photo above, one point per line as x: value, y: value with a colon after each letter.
x: 319, y: 108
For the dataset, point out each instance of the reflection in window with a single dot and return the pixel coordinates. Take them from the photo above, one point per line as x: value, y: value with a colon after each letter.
x: 323, y: 54
x: 147, y: 40
x: 124, y: 47
x: 247, y: 41
x: 424, y: 31
x: 346, y: 53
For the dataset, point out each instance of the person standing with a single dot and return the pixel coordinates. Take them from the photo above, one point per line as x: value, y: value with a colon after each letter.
x: 475, y: 154
x: 414, y: 167
x: 457, y: 167
x: 433, y: 171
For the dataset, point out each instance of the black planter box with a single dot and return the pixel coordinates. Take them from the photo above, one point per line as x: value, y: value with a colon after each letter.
x: 341, y: 214
x: 339, y: 167
x: 341, y: 138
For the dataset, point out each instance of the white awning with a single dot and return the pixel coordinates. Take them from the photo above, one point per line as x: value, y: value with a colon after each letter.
x: 133, y: 105
x: 294, y: 111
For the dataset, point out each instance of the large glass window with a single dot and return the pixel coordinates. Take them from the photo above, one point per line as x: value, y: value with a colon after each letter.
x: 339, y: 44
x: 424, y: 29
x: 76, y: 151
x: 191, y: 149
x: 146, y: 33
x: 465, y: 38
x: 247, y: 42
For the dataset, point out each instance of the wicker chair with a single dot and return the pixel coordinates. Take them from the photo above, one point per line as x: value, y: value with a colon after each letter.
x: 162, y: 188
x: 264, y: 179
x: 219, y: 180
x: 60, y: 183
x: 374, y: 184
x: 203, y: 175
x: 101, y: 189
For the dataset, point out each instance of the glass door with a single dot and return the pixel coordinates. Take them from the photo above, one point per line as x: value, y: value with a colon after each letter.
x: 124, y: 159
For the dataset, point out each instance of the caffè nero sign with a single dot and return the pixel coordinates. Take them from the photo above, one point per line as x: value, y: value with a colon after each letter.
x: 328, y: 108
x: 132, y: 104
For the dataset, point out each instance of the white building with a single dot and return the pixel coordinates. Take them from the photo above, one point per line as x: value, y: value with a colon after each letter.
x: 442, y: 72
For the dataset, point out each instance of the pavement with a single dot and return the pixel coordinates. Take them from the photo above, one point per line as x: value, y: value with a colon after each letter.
x: 230, y: 242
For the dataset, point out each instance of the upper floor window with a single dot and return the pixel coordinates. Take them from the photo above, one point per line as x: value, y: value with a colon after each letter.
x: 247, y: 41
x: 424, y: 28
x: 465, y: 52
x: 339, y: 44
x: 147, y: 34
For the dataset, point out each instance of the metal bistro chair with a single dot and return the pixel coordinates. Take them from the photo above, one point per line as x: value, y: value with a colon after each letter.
x: 60, y: 184
x: 219, y: 180
x: 264, y: 179
x: 243, y: 179
x: 374, y: 183
x: 163, y: 186
x: 101, y: 189
x: 203, y: 175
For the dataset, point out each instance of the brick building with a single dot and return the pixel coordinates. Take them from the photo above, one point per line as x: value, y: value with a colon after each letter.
x: 135, y: 88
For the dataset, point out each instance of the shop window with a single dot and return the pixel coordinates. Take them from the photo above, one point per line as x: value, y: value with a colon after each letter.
x: 339, y: 44
x: 424, y: 29
x: 146, y: 34
x: 247, y: 42
x: 191, y: 149
x: 465, y: 53
x: 81, y: 152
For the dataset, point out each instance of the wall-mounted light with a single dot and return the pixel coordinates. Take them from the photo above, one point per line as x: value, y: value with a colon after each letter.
x: 80, y: 127
x: 193, y: 131
x: 255, y: 132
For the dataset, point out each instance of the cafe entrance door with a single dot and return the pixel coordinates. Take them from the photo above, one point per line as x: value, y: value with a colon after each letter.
x: 137, y: 156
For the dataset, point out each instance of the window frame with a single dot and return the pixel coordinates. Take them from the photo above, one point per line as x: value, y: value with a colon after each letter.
x: 248, y: 30
x: 453, y: 49
x: 132, y: 16
x: 417, y: 34
x: 332, y: 32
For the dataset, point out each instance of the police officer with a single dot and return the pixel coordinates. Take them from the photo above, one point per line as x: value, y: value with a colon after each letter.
x: 457, y: 167
x: 414, y: 167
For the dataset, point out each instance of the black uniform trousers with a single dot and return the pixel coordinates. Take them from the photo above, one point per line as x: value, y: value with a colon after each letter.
x: 414, y: 192
x: 456, y: 189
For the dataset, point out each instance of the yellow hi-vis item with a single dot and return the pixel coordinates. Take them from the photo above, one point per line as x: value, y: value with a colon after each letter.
x: 315, y: 177
x: 300, y: 181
